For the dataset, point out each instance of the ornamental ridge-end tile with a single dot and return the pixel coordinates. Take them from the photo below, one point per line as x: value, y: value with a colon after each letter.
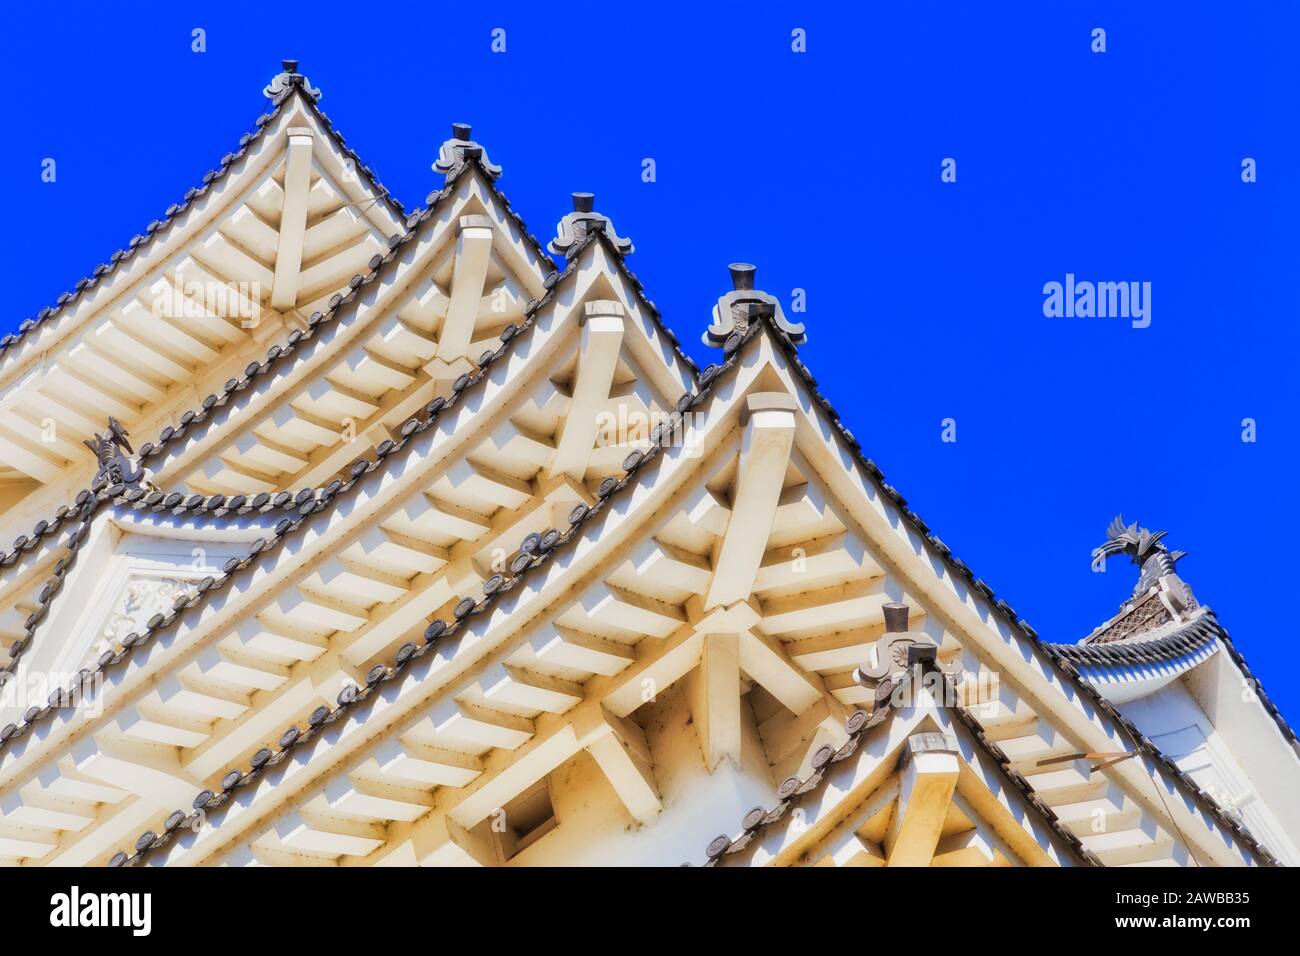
x: 286, y: 80
x: 744, y: 306
x: 574, y: 229
x: 1160, y: 596
x: 1148, y: 551
x: 114, y: 467
x: 455, y: 152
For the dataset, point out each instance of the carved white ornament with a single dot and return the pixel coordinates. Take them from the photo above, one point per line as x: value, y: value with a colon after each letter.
x: 143, y: 598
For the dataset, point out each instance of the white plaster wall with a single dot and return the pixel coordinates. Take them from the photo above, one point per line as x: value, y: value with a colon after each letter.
x: 1210, y: 753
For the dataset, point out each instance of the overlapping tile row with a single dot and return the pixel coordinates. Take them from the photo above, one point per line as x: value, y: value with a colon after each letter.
x: 533, y: 553
x: 859, y: 723
x: 195, y: 505
x: 578, y: 232
x: 1180, y: 642
x: 281, y: 355
x: 1010, y: 617
x: 792, y: 788
x: 1148, y: 748
x: 469, y: 607
x: 261, y: 450
x: 84, y: 512
x: 299, y: 505
x: 46, y: 527
x: 1019, y: 781
x: 190, y: 506
x: 177, y: 211
x: 262, y: 246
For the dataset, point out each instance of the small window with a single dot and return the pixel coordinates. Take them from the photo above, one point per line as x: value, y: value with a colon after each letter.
x: 527, y: 818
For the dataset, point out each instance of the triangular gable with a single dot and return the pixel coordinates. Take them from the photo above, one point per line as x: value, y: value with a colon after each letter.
x: 638, y: 350
x: 914, y: 786
x: 747, y: 569
x: 1004, y: 648
x: 284, y: 221
x: 542, y: 744
x: 376, y: 355
x: 37, y: 554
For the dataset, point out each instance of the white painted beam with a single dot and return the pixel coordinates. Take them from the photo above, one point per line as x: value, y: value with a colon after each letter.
x: 624, y: 757
x: 446, y: 843
x: 258, y: 726
x: 314, y: 832
x: 764, y: 659
x: 715, y: 700
x: 21, y: 456
x: 473, y: 252
x: 764, y: 457
x: 927, y: 786
x: 146, y: 770
x: 969, y: 848
x: 419, y: 764
x: 598, y: 351
x: 563, y: 647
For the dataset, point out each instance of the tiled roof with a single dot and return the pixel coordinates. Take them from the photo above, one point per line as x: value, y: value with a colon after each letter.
x: 1146, y: 630
x: 86, y: 507
x: 300, y: 506
x: 25, y: 543
x: 537, y: 550
x: 1008, y: 614
x: 1174, y: 643
x: 200, y: 506
x: 534, y: 551
x: 296, y: 507
x: 793, y: 789
x: 1145, y: 745
x: 177, y: 211
x: 279, y: 356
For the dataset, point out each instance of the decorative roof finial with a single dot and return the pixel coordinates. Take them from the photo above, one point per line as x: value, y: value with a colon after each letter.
x: 114, y: 467
x: 455, y: 152
x: 583, y: 221
x: 287, y: 80
x: 1157, y: 562
x: 742, y: 275
x: 896, y: 652
x: 742, y: 307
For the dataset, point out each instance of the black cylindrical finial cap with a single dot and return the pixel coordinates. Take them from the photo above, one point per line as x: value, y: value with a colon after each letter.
x: 584, y: 202
x: 460, y: 130
x: 895, y: 618
x: 742, y: 275
x: 290, y: 66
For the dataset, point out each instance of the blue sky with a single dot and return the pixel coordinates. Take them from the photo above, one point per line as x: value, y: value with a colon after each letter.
x: 925, y: 299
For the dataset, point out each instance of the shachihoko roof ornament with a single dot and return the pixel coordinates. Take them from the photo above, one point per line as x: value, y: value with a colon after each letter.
x: 1156, y: 562
x: 574, y: 228
x: 284, y: 81
x: 114, y: 467
x: 742, y: 307
x: 453, y: 153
